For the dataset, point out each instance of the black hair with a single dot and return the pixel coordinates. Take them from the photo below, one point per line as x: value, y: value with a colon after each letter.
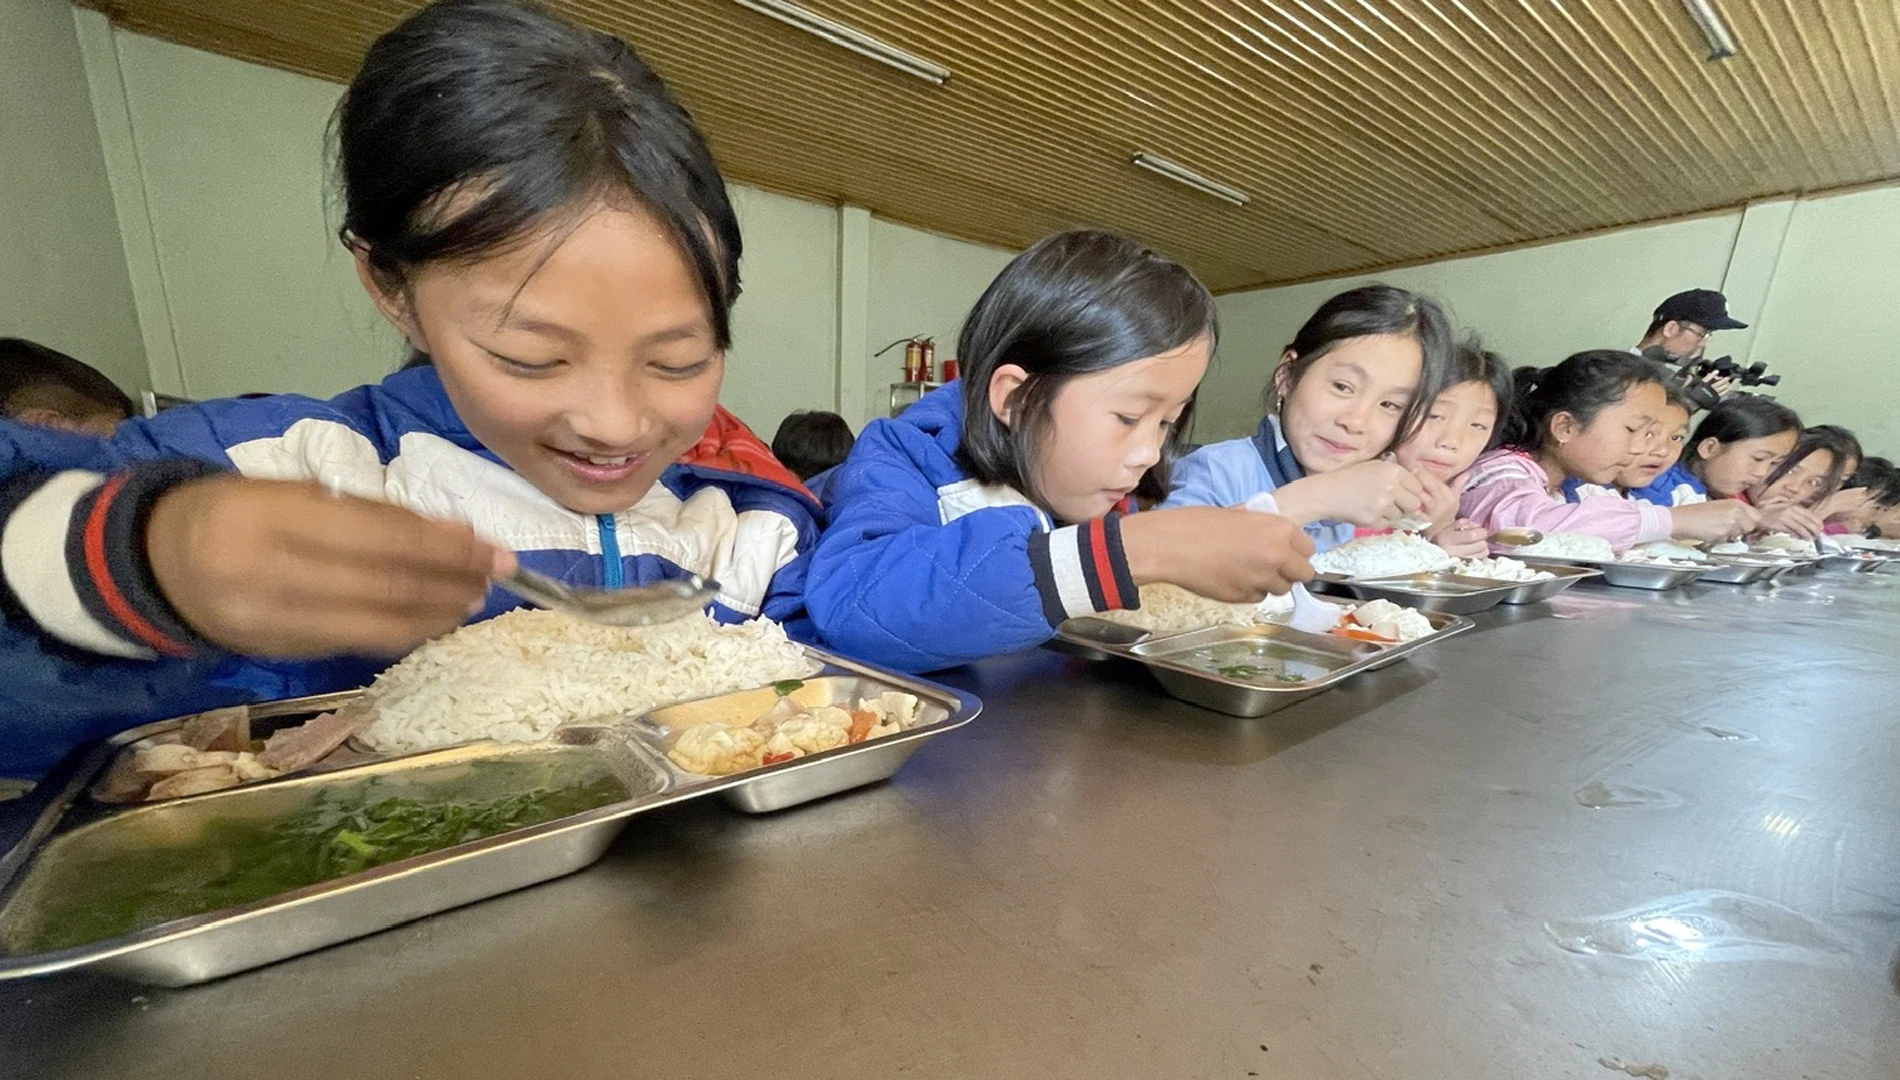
x: 1881, y: 479
x: 809, y: 442
x: 33, y: 376
x: 1843, y: 442
x: 1739, y: 417
x: 1075, y: 303
x: 1583, y: 385
x: 1836, y: 440
x: 528, y: 118
x: 1367, y: 311
x: 1472, y: 362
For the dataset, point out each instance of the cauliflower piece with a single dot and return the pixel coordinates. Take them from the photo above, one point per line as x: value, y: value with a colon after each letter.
x: 717, y: 750
x: 805, y: 735
x: 895, y: 709
x: 1389, y: 620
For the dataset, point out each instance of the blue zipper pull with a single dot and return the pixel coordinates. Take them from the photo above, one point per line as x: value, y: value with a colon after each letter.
x: 612, y: 575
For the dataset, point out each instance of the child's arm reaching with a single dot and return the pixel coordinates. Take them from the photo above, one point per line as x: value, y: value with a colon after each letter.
x: 1509, y: 500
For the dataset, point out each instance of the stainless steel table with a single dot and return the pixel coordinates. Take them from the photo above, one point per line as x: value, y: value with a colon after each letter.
x: 1095, y: 881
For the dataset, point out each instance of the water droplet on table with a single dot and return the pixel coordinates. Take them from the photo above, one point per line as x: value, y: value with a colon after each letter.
x: 1707, y: 924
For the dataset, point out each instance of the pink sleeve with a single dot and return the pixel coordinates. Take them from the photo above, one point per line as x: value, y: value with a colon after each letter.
x: 1521, y: 502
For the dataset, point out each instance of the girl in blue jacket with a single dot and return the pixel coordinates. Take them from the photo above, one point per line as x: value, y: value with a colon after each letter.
x: 529, y: 206
x: 1353, y: 385
x: 998, y: 506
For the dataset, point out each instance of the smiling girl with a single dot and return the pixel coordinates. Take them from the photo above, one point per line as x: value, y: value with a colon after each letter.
x: 528, y: 205
x: 1352, y: 386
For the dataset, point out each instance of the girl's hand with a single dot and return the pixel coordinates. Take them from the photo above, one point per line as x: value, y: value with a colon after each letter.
x: 270, y: 568
x: 1372, y: 494
x: 1463, y: 539
x: 1224, y: 553
x: 1847, y: 504
x: 1715, y: 520
x: 1441, y: 502
x: 1789, y: 518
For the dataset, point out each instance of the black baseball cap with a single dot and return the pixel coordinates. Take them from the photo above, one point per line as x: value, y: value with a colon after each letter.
x: 1704, y: 307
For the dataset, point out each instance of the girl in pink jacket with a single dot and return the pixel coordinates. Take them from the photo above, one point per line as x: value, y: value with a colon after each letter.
x: 1585, y: 419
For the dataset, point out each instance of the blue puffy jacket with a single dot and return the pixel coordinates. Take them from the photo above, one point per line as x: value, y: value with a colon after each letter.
x: 88, y: 646
x: 922, y: 567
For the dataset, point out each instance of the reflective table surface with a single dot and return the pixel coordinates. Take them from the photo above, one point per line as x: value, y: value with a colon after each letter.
x: 1610, y: 835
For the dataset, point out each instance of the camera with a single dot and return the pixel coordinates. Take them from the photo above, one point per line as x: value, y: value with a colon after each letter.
x: 1755, y: 374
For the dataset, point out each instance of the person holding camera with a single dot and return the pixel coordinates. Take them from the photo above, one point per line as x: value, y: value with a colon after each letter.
x: 1679, y: 333
x: 1682, y: 325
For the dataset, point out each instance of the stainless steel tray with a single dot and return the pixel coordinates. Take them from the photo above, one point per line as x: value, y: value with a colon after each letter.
x: 1631, y: 575
x: 1239, y: 697
x: 1852, y: 563
x: 1738, y: 570
x: 1435, y: 590
x: 210, y: 945
x: 1530, y: 592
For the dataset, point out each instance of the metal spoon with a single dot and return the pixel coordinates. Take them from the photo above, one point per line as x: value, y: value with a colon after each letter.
x: 1310, y: 614
x: 1516, y: 537
x: 640, y: 605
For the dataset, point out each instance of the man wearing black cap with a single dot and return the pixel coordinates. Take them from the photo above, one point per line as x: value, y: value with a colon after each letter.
x: 1683, y: 323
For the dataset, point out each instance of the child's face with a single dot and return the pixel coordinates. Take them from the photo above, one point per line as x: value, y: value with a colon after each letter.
x: 1662, y: 446
x: 1106, y: 430
x: 1887, y: 520
x: 1613, y: 440
x: 1800, y: 485
x: 1728, y: 469
x: 585, y: 359
x: 1455, y: 432
x: 1347, y: 406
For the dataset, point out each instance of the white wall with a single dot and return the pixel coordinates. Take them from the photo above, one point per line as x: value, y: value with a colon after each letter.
x: 922, y: 285
x: 1816, y: 279
x: 63, y: 278
x: 223, y: 189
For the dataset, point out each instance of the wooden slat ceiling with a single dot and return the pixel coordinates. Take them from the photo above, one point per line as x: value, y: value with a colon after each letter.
x: 1369, y: 133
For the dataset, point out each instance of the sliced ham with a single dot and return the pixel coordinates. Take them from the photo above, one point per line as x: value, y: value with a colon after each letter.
x: 195, y: 782
x: 306, y: 744
x: 169, y: 758
x: 220, y: 729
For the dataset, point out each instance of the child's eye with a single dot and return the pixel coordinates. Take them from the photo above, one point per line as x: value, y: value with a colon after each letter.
x: 1128, y: 421
x: 522, y: 367
x: 687, y: 371
x: 1343, y: 387
x: 1479, y: 425
x: 1392, y: 406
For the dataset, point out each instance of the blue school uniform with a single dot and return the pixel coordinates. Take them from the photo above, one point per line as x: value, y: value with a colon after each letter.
x: 89, y: 647
x: 923, y: 567
x: 1229, y: 473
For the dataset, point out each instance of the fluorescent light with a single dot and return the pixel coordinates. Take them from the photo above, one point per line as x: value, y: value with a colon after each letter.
x: 845, y: 37
x: 1181, y: 174
x: 1721, y: 42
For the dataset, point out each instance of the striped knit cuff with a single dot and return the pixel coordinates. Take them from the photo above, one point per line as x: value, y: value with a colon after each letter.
x: 73, y: 553
x: 1080, y: 570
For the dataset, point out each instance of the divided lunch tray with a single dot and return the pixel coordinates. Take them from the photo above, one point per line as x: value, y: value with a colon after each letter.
x: 59, y: 826
x: 1178, y: 661
x: 1452, y: 593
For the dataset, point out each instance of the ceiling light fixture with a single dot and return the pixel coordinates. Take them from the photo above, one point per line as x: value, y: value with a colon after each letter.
x: 845, y: 37
x: 1721, y: 42
x: 1181, y: 174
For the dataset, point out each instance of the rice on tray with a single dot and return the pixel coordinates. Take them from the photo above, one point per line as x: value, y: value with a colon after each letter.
x: 1170, y: 609
x: 518, y: 676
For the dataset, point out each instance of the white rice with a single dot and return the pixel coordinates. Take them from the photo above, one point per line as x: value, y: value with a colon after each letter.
x: 1570, y: 546
x: 1784, y: 542
x: 1383, y: 556
x: 1501, y: 569
x: 517, y: 677
x: 1665, y: 551
x: 1170, y: 609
